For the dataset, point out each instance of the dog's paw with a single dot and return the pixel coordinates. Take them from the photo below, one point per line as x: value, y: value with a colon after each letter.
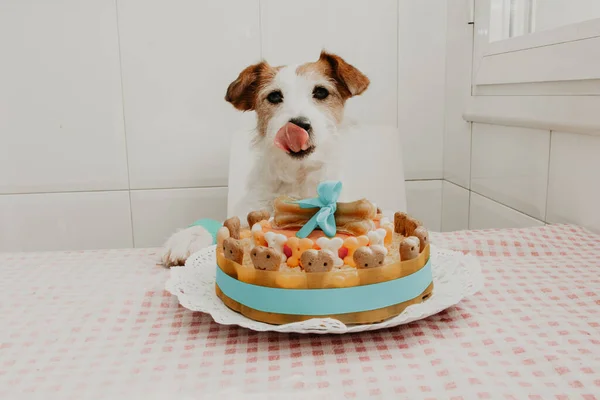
x: 183, y: 244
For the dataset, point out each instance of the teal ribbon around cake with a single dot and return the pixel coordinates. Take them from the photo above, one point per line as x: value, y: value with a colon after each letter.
x: 328, y: 193
x: 326, y: 301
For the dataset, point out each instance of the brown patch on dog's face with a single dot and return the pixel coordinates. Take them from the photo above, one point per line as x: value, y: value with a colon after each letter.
x: 343, y: 81
x: 246, y: 93
x: 243, y: 92
x: 264, y: 108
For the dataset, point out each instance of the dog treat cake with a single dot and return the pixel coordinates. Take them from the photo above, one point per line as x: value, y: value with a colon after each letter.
x: 318, y: 258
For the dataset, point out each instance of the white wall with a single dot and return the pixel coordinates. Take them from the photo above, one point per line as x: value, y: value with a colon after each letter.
x: 526, y: 177
x: 113, y: 127
x: 511, y: 176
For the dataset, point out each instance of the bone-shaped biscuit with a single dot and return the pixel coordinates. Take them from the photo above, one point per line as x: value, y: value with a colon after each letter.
x: 298, y: 246
x: 352, y: 243
x: 317, y: 260
x: 276, y: 241
x: 354, y: 218
x: 257, y: 216
x: 386, y: 224
x: 377, y: 238
x: 370, y: 257
x: 333, y: 246
x: 233, y: 250
x: 233, y: 224
x: 258, y: 235
x: 389, y: 234
x: 265, y: 258
x: 409, y: 248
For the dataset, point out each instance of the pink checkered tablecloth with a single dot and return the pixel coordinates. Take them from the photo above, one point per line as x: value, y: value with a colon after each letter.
x: 98, y: 325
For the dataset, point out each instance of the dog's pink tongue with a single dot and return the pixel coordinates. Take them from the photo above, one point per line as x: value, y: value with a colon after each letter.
x: 291, y: 138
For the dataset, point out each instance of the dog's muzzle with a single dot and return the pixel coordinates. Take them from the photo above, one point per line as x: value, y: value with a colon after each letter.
x: 294, y: 138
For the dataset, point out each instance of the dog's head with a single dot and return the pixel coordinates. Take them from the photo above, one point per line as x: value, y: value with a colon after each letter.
x: 298, y: 108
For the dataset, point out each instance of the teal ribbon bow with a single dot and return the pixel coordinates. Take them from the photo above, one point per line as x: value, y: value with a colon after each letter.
x: 328, y: 193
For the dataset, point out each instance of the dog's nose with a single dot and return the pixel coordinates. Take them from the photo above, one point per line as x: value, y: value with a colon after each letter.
x: 302, y: 122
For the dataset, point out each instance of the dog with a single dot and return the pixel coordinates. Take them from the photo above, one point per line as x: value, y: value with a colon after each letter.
x: 300, y: 119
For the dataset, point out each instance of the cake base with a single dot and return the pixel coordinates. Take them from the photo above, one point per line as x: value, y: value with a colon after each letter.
x: 362, y: 317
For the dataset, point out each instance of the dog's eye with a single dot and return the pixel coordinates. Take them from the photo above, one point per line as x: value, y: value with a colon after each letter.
x: 275, y: 97
x: 320, y: 93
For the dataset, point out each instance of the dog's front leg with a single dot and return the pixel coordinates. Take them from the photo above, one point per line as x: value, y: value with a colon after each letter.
x: 184, y: 243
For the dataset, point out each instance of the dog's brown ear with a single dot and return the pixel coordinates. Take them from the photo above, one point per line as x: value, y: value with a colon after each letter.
x: 350, y: 81
x: 243, y: 91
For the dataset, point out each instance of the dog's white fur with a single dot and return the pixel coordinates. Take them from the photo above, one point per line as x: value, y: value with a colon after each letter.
x: 274, y: 172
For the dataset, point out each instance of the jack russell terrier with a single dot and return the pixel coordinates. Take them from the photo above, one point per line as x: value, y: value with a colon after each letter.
x: 299, y: 113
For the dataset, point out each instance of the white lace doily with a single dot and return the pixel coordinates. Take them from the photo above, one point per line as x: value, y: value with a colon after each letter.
x: 455, y: 276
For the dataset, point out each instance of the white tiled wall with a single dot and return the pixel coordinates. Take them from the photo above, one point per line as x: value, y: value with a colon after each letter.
x: 65, y: 221
x: 424, y: 199
x: 574, y: 184
x: 485, y: 213
x: 421, y: 67
x: 457, y: 132
x: 506, y: 176
x: 455, y: 207
x: 177, y: 58
x: 113, y: 127
x: 525, y: 177
x: 510, y: 165
x: 61, y: 114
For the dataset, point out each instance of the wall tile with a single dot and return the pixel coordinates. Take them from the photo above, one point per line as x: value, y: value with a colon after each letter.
x: 65, y: 221
x: 457, y: 131
x: 421, y: 80
x: 574, y: 185
x: 485, y: 214
x: 61, y: 114
x: 159, y: 213
x: 510, y: 166
x: 424, y: 200
x: 178, y: 58
x: 455, y: 207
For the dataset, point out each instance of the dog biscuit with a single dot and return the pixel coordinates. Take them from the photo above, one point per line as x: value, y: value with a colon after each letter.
x: 353, y: 243
x: 410, y: 225
x: 369, y: 257
x: 265, y: 258
x: 386, y: 224
x: 399, y: 222
x: 222, y: 234
x: 317, y: 261
x: 404, y: 224
x: 423, y: 235
x: 257, y: 216
x: 297, y: 246
x: 233, y: 250
x: 409, y: 248
x: 233, y: 224
x: 377, y: 238
x: 355, y: 218
x: 333, y: 246
x: 276, y: 241
x: 258, y: 236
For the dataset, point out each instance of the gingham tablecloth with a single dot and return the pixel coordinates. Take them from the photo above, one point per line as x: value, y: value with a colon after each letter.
x: 98, y: 325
